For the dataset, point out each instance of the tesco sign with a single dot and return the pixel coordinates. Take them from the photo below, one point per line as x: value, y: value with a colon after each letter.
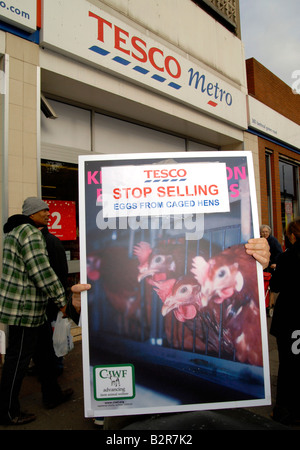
x: 116, y: 46
x: 138, y: 50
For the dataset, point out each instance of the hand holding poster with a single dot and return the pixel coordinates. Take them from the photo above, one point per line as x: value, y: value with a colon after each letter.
x: 175, y: 319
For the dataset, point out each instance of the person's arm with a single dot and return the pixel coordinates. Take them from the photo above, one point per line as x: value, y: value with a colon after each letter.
x: 277, y: 252
x: 73, y: 308
x: 57, y: 257
x: 281, y: 274
x: 76, y: 295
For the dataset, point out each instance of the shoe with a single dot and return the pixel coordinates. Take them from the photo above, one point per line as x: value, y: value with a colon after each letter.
x: 282, y: 415
x: 21, y: 419
x: 99, y: 421
x: 65, y: 396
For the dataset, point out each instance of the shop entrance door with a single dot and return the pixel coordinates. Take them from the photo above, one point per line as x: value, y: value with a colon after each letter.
x: 60, y: 190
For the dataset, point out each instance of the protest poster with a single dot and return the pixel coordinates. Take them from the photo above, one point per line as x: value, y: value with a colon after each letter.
x: 175, y: 319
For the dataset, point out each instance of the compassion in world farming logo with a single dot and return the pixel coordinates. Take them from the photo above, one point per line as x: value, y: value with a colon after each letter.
x: 114, y: 382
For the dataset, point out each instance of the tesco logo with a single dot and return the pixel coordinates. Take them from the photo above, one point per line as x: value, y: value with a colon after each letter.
x: 165, y: 173
x: 129, y: 47
x: 136, y: 47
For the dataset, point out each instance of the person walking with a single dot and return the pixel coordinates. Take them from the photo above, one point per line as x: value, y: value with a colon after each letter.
x: 58, y: 262
x: 285, y: 327
x: 27, y: 282
x: 275, y: 247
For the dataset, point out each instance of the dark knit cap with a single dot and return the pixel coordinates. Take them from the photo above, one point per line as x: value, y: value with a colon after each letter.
x: 32, y: 205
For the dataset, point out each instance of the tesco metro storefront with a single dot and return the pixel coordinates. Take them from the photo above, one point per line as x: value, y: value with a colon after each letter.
x: 115, y: 77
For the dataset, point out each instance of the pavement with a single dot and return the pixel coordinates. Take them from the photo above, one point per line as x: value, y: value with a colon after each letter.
x: 70, y: 415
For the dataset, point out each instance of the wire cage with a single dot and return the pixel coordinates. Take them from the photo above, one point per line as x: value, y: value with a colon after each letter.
x: 152, y: 329
x: 138, y: 329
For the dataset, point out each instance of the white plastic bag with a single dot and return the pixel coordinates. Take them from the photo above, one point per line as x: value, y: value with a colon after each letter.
x: 62, y: 337
x: 2, y: 343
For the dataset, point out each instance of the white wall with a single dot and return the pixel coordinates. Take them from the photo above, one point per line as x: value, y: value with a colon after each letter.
x: 188, y: 27
x: 76, y: 132
x: 118, y: 136
x: 72, y: 128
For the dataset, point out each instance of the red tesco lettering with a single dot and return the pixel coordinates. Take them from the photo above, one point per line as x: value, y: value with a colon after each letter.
x: 165, y: 173
x: 139, y: 49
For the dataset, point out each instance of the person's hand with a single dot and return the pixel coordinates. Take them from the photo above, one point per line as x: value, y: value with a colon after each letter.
x: 260, y: 250
x: 76, y: 297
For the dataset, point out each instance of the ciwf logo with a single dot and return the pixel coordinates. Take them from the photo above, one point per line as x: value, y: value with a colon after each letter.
x: 113, y: 375
x: 296, y: 83
x: 114, y: 382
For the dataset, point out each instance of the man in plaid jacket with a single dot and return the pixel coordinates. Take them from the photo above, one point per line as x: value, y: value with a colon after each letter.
x: 27, y: 284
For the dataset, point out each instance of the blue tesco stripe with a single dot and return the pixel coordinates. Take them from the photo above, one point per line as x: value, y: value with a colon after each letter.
x: 141, y: 70
x: 120, y: 60
x: 165, y: 180
x: 125, y: 62
x: 99, y: 50
x: 174, y: 85
x: 158, y: 78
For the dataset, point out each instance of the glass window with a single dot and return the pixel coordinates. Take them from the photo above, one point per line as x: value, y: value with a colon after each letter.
x: 288, y: 191
x: 60, y: 188
x: 269, y: 189
x: 287, y: 182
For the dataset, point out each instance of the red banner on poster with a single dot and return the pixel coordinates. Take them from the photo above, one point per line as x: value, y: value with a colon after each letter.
x: 62, y: 221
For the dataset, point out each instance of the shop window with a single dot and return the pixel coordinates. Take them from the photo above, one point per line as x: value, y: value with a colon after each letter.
x: 60, y: 189
x: 269, y: 189
x: 289, y: 191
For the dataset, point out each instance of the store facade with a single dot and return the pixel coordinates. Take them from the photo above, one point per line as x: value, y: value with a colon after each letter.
x: 112, y: 77
x: 274, y: 119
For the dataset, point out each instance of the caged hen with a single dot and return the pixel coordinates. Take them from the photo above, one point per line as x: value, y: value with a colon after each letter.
x: 160, y: 267
x: 168, y: 259
x: 166, y: 268
x: 183, y: 297
x: 157, y: 263
x: 118, y: 276
x: 230, y: 279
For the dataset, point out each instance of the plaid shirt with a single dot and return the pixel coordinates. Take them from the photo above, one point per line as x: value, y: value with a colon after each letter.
x: 28, y: 281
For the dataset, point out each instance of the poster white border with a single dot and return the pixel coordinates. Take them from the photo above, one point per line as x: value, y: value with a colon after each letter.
x: 90, y: 409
